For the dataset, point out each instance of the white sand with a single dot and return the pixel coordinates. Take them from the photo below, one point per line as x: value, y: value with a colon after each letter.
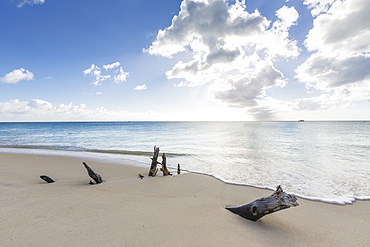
x: 183, y: 210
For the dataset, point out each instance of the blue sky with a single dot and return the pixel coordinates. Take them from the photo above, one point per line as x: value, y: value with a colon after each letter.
x: 128, y: 60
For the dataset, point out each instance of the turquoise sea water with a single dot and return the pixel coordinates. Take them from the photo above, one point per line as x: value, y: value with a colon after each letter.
x: 328, y: 161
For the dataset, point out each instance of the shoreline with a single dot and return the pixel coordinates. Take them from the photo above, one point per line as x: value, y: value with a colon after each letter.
x: 182, y: 210
x: 116, y: 158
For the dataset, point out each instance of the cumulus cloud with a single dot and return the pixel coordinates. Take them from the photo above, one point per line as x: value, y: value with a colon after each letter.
x: 232, y: 50
x: 118, y: 75
x: 288, y: 16
x: 38, y: 109
x: 121, y: 76
x: 140, y: 87
x: 343, y: 28
x: 319, y: 6
x: 16, y: 76
x: 111, y: 66
x: 339, y: 39
x: 244, y: 91
x: 30, y: 2
x: 326, y: 72
x: 235, y: 52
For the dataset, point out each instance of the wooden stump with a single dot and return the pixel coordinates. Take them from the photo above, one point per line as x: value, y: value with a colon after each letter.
x: 153, y: 168
x: 164, y: 169
x: 47, y: 179
x: 279, y: 200
x: 97, y: 178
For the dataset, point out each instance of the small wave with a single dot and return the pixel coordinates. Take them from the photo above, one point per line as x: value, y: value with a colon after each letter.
x: 105, y: 151
x: 339, y: 200
x: 66, y: 148
x: 129, y: 152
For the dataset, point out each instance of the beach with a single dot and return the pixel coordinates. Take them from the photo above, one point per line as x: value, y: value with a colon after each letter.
x: 180, y: 210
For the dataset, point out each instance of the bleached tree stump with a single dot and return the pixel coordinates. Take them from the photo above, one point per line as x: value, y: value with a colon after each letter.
x: 279, y: 200
x: 97, y: 178
x: 47, y: 179
x: 153, y: 168
x: 164, y: 169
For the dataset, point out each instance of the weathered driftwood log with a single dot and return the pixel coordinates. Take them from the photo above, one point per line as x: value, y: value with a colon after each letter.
x: 164, y: 169
x: 277, y: 201
x: 153, y: 168
x: 97, y: 178
x: 178, y: 169
x: 47, y: 179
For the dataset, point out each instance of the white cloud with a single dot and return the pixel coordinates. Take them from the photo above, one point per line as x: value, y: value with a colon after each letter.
x: 288, y: 16
x: 340, y: 41
x: 232, y: 50
x: 16, y: 76
x: 236, y: 53
x: 31, y: 2
x: 244, y: 91
x: 41, y: 110
x: 121, y: 76
x: 326, y: 72
x: 111, y: 66
x: 327, y: 106
x: 118, y: 75
x: 140, y: 87
x: 319, y: 6
x: 343, y: 28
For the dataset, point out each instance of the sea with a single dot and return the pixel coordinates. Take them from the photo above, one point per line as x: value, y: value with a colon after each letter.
x: 325, y: 161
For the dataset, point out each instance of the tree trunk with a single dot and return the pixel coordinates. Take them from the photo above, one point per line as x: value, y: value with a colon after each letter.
x: 255, y: 210
x: 47, y: 179
x: 153, y: 168
x: 97, y: 178
x: 164, y: 169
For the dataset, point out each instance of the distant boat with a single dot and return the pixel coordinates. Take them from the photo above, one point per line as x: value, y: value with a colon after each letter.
x: 301, y: 120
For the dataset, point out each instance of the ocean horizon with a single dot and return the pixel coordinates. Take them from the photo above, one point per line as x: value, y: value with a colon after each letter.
x: 318, y: 160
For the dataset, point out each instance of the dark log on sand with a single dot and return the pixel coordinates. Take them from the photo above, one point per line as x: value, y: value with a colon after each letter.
x: 164, y: 169
x: 97, y: 178
x: 47, y: 179
x: 153, y: 168
x: 277, y: 201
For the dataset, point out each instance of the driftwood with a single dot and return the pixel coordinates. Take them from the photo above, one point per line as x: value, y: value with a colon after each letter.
x: 47, y: 179
x: 164, y: 169
x: 153, y: 168
x: 255, y: 210
x: 178, y: 169
x: 141, y: 176
x: 97, y: 178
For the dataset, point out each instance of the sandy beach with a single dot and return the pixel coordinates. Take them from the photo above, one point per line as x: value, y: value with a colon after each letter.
x: 182, y: 210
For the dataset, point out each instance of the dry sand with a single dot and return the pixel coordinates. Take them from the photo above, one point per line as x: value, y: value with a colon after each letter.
x: 183, y: 210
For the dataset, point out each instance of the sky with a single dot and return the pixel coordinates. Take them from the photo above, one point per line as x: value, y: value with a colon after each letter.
x: 189, y: 60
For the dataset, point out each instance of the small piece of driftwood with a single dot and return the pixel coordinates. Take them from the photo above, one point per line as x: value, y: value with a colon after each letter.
x: 153, y: 168
x: 178, y: 169
x: 279, y: 200
x: 141, y: 176
x: 47, y: 179
x: 97, y: 178
x: 164, y: 169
